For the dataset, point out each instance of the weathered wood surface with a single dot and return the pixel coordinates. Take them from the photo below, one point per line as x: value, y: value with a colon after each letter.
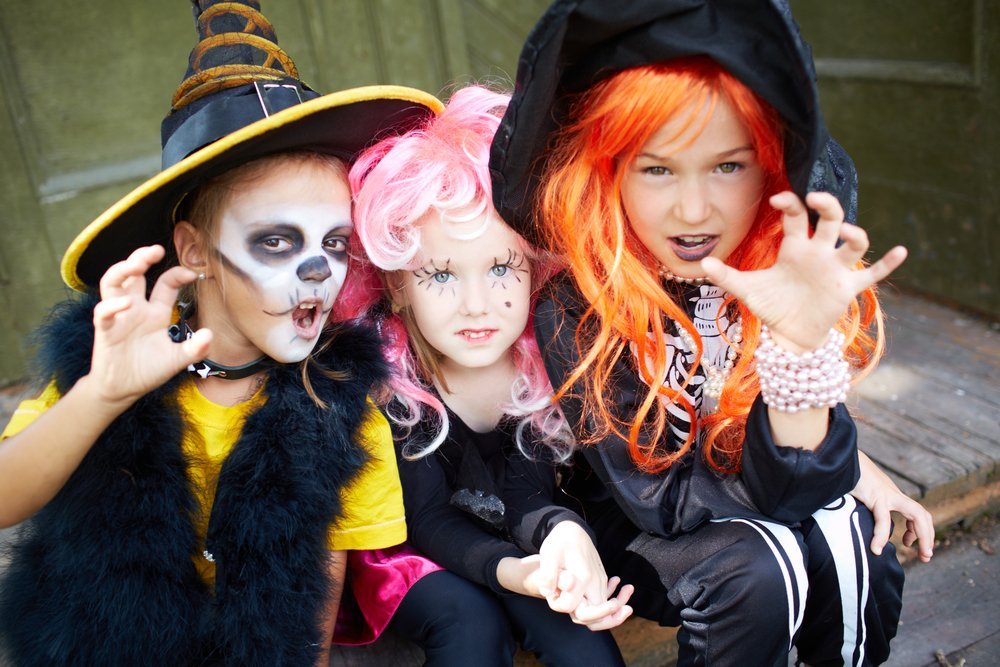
x: 930, y: 413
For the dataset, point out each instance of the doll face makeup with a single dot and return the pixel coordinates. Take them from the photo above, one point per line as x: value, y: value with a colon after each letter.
x: 469, y: 296
x: 282, y: 257
x: 687, y: 197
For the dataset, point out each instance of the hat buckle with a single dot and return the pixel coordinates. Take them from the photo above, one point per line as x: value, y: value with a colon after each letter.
x: 274, y: 97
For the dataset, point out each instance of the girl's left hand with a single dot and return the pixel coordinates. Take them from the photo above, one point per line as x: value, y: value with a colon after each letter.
x: 570, y: 569
x: 881, y: 495
x: 608, y: 614
x: 813, y: 281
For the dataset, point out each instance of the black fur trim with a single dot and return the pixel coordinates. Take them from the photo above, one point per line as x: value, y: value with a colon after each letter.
x: 104, y: 573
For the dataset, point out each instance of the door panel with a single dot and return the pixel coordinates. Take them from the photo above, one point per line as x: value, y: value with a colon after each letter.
x: 910, y: 89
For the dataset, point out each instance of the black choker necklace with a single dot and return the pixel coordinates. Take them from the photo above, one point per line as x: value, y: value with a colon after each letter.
x: 206, y: 367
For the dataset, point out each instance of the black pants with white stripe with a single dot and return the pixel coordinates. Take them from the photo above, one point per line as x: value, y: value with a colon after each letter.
x: 854, y: 596
x: 743, y: 592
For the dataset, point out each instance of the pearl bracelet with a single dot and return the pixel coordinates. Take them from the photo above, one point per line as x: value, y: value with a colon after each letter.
x: 791, y: 382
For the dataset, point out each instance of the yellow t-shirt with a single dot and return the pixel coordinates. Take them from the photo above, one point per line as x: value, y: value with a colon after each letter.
x: 373, y: 516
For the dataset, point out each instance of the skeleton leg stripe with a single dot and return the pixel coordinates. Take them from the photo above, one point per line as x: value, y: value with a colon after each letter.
x: 842, y: 532
x: 789, y: 557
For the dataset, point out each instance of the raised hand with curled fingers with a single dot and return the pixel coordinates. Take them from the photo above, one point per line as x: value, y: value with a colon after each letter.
x: 133, y: 354
x: 814, y: 279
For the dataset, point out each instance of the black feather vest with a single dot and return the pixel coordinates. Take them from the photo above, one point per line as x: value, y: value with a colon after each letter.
x: 103, y: 574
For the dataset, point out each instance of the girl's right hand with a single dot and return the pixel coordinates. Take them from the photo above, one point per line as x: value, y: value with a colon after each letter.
x: 133, y: 354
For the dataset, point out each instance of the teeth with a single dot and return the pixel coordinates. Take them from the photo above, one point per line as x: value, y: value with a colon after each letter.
x: 694, y: 239
x: 307, y: 306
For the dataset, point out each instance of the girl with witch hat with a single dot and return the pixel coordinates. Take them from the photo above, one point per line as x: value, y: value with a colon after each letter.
x: 701, y: 338
x: 451, y: 286
x: 187, y: 497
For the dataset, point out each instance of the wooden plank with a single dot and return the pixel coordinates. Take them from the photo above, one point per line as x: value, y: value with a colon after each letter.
x: 917, y: 337
x: 498, y: 42
x: 454, y: 41
x: 30, y: 281
x: 881, y: 438
x: 408, y: 49
x: 349, y: 59
x: 946, y: 215
x: 969, y: 332
x: 908, y: 434
x: 963, y: 415
x: 519, y: 16
x: 955, y: 369
x: 949, y: 604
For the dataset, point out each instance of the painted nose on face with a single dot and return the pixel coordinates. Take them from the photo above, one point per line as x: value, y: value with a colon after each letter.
x: 315, y: 269
x: 692, y: 205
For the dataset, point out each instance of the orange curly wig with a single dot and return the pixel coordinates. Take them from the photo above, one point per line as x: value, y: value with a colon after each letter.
x: 582, y: 217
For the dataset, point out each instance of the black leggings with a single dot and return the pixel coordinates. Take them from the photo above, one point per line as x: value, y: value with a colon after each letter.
x: 461, y: 624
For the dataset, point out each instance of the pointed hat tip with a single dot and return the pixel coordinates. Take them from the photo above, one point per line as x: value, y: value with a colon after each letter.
x: 237, y: 45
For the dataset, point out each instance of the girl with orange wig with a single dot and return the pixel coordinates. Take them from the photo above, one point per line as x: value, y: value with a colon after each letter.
x: 701, y: 339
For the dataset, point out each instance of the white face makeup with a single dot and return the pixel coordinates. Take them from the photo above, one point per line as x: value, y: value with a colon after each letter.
x: 283, y: 247
x: 470, y: 297
x: 687, y: 200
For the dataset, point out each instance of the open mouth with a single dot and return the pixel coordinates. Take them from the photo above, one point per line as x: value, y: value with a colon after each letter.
x: 693, y: 248
x: 307, y: 318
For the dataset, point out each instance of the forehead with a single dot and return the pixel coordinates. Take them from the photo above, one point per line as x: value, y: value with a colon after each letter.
x: 486, y: 236
x: 700, y: 127
x: 271, y: 184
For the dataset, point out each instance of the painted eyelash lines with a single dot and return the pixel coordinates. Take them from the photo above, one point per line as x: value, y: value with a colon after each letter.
x: 514, y: 262
x: 426, y: 275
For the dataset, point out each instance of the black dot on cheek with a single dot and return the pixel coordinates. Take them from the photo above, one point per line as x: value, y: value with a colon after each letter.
x: 507, y: 303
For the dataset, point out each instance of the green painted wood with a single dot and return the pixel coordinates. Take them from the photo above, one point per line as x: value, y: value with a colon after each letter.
x: 911, y: 90
x: 27, y: 282
x: 499, y: 29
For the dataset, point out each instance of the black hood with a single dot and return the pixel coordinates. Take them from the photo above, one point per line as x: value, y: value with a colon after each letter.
x: 577, y: 43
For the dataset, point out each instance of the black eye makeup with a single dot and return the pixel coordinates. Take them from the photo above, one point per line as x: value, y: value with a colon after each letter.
x: 336, y: 244
x: 502, y: 269
x: 271, y: 244
x: 431, y: 275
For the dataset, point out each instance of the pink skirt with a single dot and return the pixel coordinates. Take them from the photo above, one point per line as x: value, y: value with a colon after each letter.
x: 376, y: 583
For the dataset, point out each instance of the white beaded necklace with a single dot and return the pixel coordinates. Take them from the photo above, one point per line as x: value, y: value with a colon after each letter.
x: 669, y: 275
x: 715, y: 376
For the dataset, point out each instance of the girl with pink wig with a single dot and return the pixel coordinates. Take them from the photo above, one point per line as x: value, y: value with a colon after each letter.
x: 451, y: 287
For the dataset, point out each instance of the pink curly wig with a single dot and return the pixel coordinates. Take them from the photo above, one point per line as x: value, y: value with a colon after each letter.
x: 441, y: 166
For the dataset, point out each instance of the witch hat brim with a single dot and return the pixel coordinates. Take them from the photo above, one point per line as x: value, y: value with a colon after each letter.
x: 578, y: 43
x: 341, y: 123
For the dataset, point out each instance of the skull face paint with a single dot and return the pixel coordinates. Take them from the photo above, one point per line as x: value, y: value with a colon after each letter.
x: 282, y: 257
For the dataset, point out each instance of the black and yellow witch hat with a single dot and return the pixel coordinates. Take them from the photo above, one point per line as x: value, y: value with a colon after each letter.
x: 241, y: 99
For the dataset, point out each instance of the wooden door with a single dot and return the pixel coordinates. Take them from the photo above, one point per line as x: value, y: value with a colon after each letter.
x: 912, y: 90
